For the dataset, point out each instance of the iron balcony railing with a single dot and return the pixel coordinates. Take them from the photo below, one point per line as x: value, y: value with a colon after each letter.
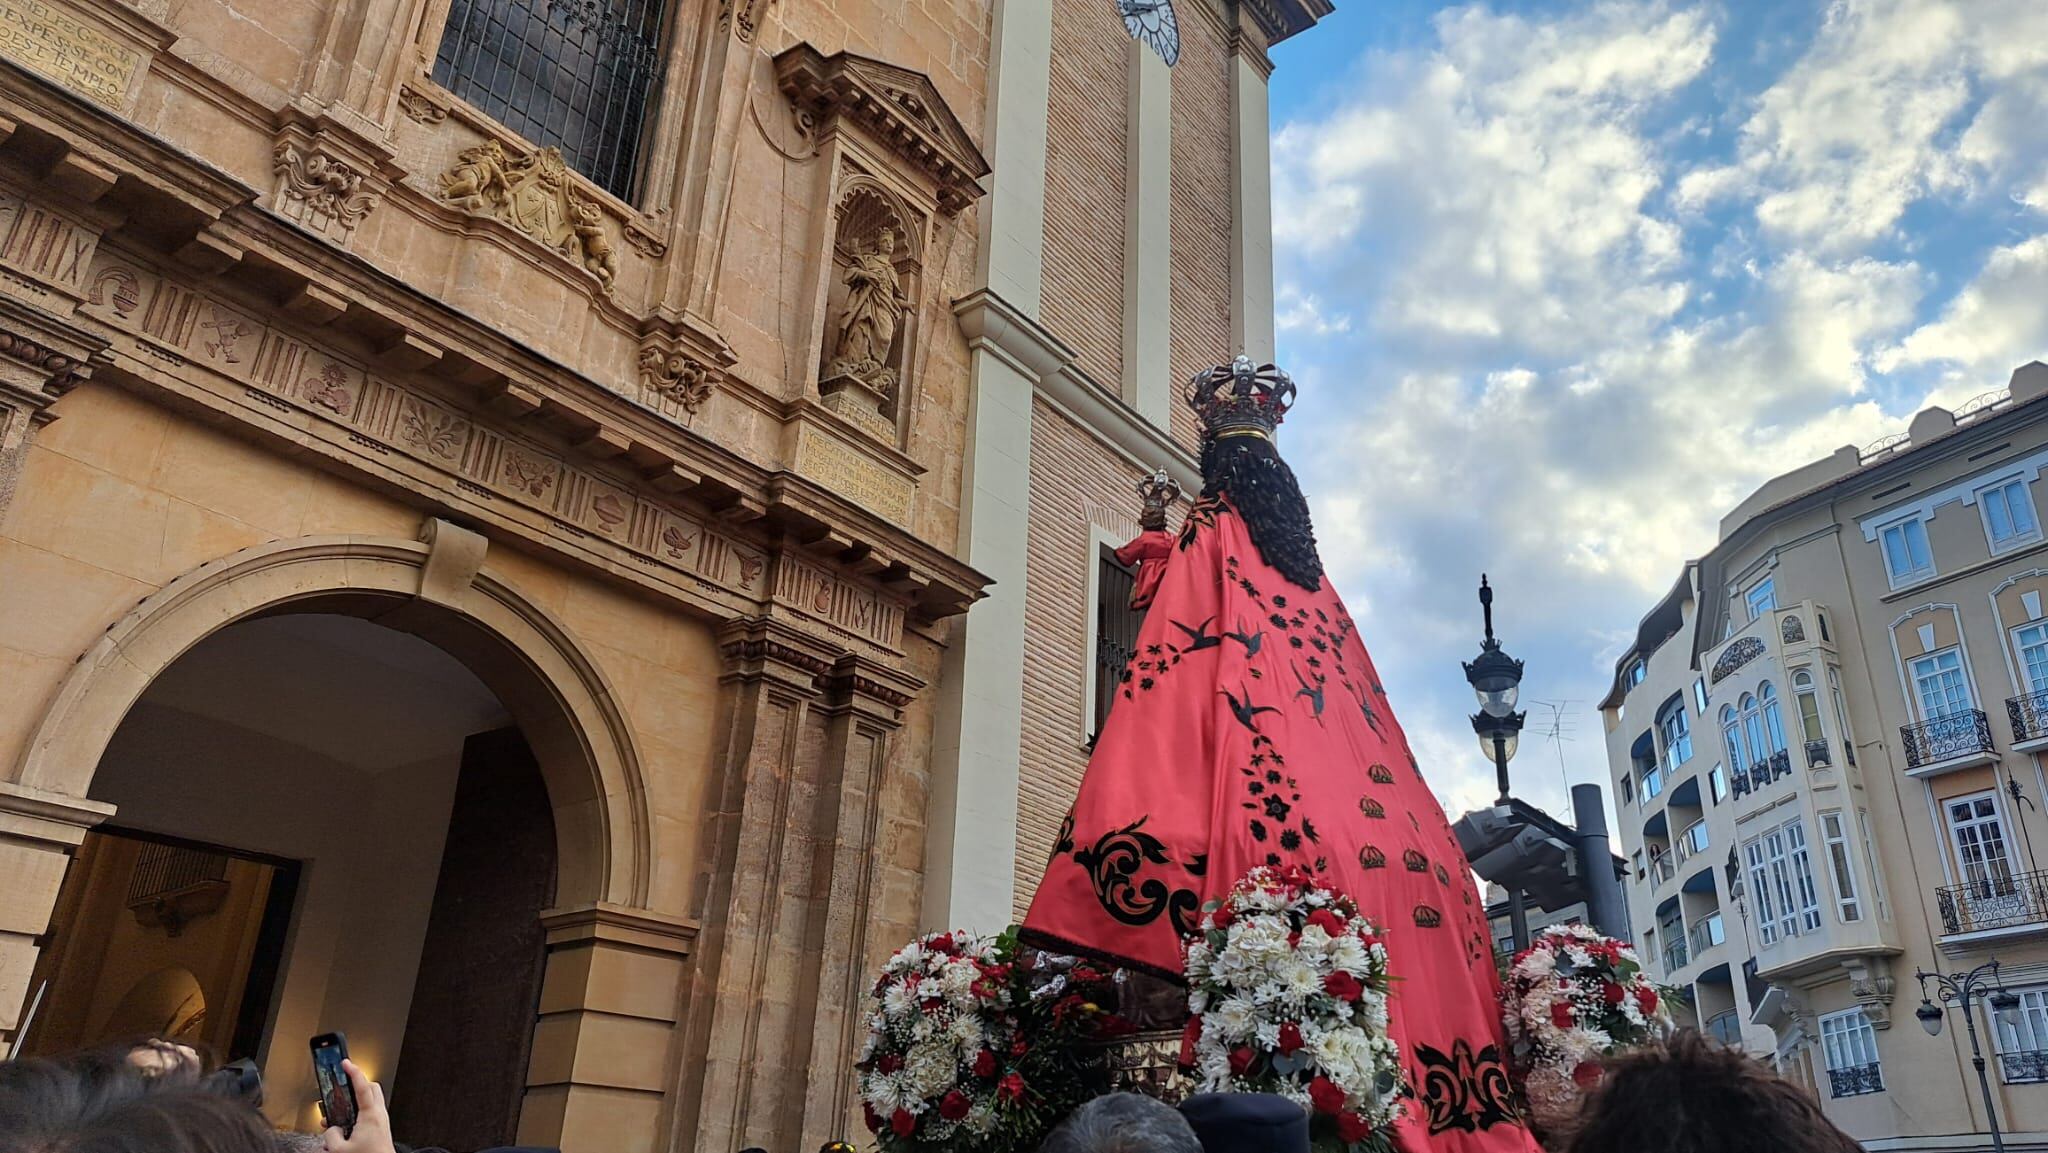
x: 2024, y: 1067
x: 1856, y: 1080
x: 1960, y: 734
x: 1761, y: 774
x: 1725, y: 1027
x: 1707, y: 932
x: 1993, y: 902
x: 1675, y: 956
x: 2029, y: 716
x: 1817, y: 754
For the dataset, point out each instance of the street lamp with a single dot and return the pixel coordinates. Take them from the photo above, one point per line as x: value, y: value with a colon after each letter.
x: 1962, y: 990
x: 1496, y: 679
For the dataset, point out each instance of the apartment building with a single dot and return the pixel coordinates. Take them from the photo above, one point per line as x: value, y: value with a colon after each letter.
x: 1825, y: 744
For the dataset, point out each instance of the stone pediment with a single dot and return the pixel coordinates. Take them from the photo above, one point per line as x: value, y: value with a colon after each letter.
x: 901, y: 108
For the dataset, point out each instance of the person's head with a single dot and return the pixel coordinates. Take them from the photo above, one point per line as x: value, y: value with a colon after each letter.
x: 1691, y: 1095
x: 1122, y: 1123
x: 93, y: 1107
x: 1247, y: 1123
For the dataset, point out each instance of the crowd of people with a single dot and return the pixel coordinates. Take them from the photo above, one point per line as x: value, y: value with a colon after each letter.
x: 1687, y: 1094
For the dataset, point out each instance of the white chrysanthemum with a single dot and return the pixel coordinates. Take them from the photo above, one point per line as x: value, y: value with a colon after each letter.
x: 1349, y: 954
x: 980, y: 1119
x: 1198, y: 1001
x: 899, y: 1001
x: 929, y: 1069
x: 1233, y: 1018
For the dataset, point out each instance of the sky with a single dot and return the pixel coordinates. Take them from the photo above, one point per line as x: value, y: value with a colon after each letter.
x: 1562, y: 282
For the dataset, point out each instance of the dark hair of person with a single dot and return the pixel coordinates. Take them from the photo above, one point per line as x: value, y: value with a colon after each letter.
x: 1692, y: 1095
x: 92, y: 1106
x: 1248, y: 471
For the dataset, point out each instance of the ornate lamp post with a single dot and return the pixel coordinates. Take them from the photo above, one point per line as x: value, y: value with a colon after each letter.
x: 1962, y: 990
x: 1496, y: 679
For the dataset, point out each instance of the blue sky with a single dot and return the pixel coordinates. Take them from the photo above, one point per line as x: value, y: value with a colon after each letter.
x: 1563, y: 282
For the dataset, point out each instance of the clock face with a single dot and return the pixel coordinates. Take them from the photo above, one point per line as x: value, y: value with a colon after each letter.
x: 1152, y: 22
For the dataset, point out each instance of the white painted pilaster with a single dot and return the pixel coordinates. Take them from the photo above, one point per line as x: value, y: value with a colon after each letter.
x: 1010, y: 258
x: 1148, y: 237
x: 1251, y: 217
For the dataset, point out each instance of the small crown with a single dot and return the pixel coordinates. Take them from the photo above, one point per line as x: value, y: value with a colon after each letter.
x: 1156, y: 491
x: 1241, y: 398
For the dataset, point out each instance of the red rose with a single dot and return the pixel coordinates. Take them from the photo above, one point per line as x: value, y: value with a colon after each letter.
x: 874, y: 1119
x: 1011, y: 1088
x: 1325, y: 1096
x: 1241, y: 1059
x: 1222, y: 917
x: 902, y: 1123
x: 1294, y: 940
x: 954, y: 1105
x: 1290, y: 1037
x: 890, y: 1063
x: 1343, y: 986
x: 984, y: 1064
x: 943, y: 943
x: 1018, y: 1048
x: 1587, y: 1074
x: 1613, y: 993
x: 1353, y: 1127
x: 1327, y: 921
x: 1561, y: 1014
x: 1646, y: 1000
x: 1368, y: 939
x: 1188, y: 1037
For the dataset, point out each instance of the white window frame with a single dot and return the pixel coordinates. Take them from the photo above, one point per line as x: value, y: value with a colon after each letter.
x: 1774, y: 719
x: 1962, y: 681
x: 1760, y: 598
x: 1898, y: 578
x: 1731, y: 737
x: 1717, y: 784
x: 1782, y: 883
x: 1992, y: 875
x: 2004, y: 489
x: 2028, y: 1032
x: 1849, y: 1042
x: 2033, y: 674
x: 1674, y: 731
x: 1834, y: 836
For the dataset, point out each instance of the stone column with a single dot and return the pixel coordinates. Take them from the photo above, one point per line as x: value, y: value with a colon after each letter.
x: 1148, y: 244
x: 603, y: 1049
x: 38, y: 832
x: 1251, y: 201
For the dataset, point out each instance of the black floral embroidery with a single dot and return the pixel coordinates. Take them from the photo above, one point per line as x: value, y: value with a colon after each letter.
x: 1111, y: 862
x: 1064, y: 842
x: 1277, y: 808
x: 1290, y: 840
x: 1201, y: 516
x: 1465, y: 1091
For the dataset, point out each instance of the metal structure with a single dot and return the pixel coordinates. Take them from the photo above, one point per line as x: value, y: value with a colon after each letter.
x: 1963, y: 991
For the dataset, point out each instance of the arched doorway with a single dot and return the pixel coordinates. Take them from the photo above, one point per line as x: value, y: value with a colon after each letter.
x: 385, y: 776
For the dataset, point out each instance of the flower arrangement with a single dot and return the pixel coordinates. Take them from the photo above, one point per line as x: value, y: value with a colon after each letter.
x: 1288, y: 986
x: 975, y: 1047
x: 1571, y: 998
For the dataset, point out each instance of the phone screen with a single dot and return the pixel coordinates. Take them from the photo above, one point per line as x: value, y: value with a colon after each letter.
x: 337, y: 1096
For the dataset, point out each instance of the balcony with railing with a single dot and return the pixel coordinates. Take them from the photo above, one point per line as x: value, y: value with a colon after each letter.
x: 2024, y: 1067
x: 1725, y: 1027
x: 1662, y: 869
x: 2012, y: 905
x: 1760, y: 775
x: 1817, y: 754
x: 2029, y: 717
x: 1692, y: 842
x: 1707, y: 932
x: 1945, y: 744
x: 1856, y: 1080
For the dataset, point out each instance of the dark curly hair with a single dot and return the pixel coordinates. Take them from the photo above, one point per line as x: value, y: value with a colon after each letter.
x: 1691, y: 1095
x: 1248, y: 471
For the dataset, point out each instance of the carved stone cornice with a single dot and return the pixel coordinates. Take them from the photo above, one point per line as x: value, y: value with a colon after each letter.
x: 41, y: 356
x: 1280, y: 19
x: 899, y: 107
x: 757, y: 648
x: 329, y: 176
x: 871, y: 688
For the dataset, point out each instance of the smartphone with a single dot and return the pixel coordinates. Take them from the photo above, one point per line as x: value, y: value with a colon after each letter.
x: 337, y: 1094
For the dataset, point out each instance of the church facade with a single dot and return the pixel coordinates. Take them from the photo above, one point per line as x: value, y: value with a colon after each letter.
x: 492, y: 494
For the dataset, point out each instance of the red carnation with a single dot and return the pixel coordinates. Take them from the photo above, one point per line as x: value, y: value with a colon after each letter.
x: 1188, y: 1037
x: 1327, y: 921
x: 1011, y: 1088
x: 902, y: 1123
x: 1324, y: 1094
x: 1018, y: 1048
x: 1222, y: 917
x: 874, y: 1119
x: 1241, y: 1059
x: 943, y: 943
x: 1353, y: 1127
x: 954, y: 1105
x: 1294, y: 940
x: 985, y: 1064
x: 890, y: 1063
x: 1613, y: 993
x: 1646, y: 1000
x: 1587, y: 1074
x: 1290, y: 1037
x: 1561, y: 1014
x: 1343, y: 986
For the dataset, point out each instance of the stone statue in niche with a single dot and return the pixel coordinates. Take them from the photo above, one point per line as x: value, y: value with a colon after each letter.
x: 536, y: 195
x: 875, y: 305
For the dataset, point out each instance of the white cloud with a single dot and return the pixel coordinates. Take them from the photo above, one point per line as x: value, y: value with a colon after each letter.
x: 1298, y: 311
x: 1999, y: 321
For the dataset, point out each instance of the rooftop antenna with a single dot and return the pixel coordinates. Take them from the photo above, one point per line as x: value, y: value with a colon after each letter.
x: 1557, y: 729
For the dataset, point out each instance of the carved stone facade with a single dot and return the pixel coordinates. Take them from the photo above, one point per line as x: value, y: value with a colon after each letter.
x: 297, y: 331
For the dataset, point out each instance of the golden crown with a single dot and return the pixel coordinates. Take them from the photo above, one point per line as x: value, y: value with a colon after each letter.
x: 1241, y: 398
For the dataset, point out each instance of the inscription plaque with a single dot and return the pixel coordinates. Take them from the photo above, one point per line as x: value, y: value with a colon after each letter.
x: 853, y: 475
x: 51, y: 42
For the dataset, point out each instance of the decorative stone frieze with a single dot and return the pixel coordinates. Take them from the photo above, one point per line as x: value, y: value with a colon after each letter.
x: 419, y: 106
x: 667, y: 373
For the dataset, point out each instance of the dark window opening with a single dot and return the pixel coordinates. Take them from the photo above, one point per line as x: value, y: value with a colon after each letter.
x: 576, y: 74
x: 1116, y: 637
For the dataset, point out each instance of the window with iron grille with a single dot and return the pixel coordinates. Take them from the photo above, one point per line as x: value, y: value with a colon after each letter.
x: 1116, y: 635
x: 576, y: 74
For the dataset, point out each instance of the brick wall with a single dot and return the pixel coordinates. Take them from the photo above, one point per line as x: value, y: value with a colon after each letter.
x: 1201, y: 206
x: 1085, y: 173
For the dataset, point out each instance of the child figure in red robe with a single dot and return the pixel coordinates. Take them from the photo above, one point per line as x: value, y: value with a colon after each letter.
x: 1251, y: 729
x: 1154, y: 544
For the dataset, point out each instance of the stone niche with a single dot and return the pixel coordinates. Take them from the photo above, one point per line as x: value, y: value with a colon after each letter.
x: 897, y: 162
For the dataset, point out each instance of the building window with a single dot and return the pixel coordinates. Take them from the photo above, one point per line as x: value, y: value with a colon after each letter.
x: 1731, y: 734
x: 1774, y: 723
x: 1628, y: 789
x: 1717, y: 784
x: 1676, y: 730
x: 1906, y: 555
x: 579, y: 76
x: 2032, y: 642
x: 1979, y: 837
x: 1637, y: 670
x: 1699, y: 695
x: 1840, y: 868
x: 1781, y: 883
x: 2009, y: 520
x: 1753, y: 729
x: 1849, y: 1045
x: 1939, y: 683
x: 2023, y: 1040
x: 1116, y: 635
x: 1809, y: 719
x: 1761, y: 598
x: 1841, y: 715
x: 1637, y: 856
